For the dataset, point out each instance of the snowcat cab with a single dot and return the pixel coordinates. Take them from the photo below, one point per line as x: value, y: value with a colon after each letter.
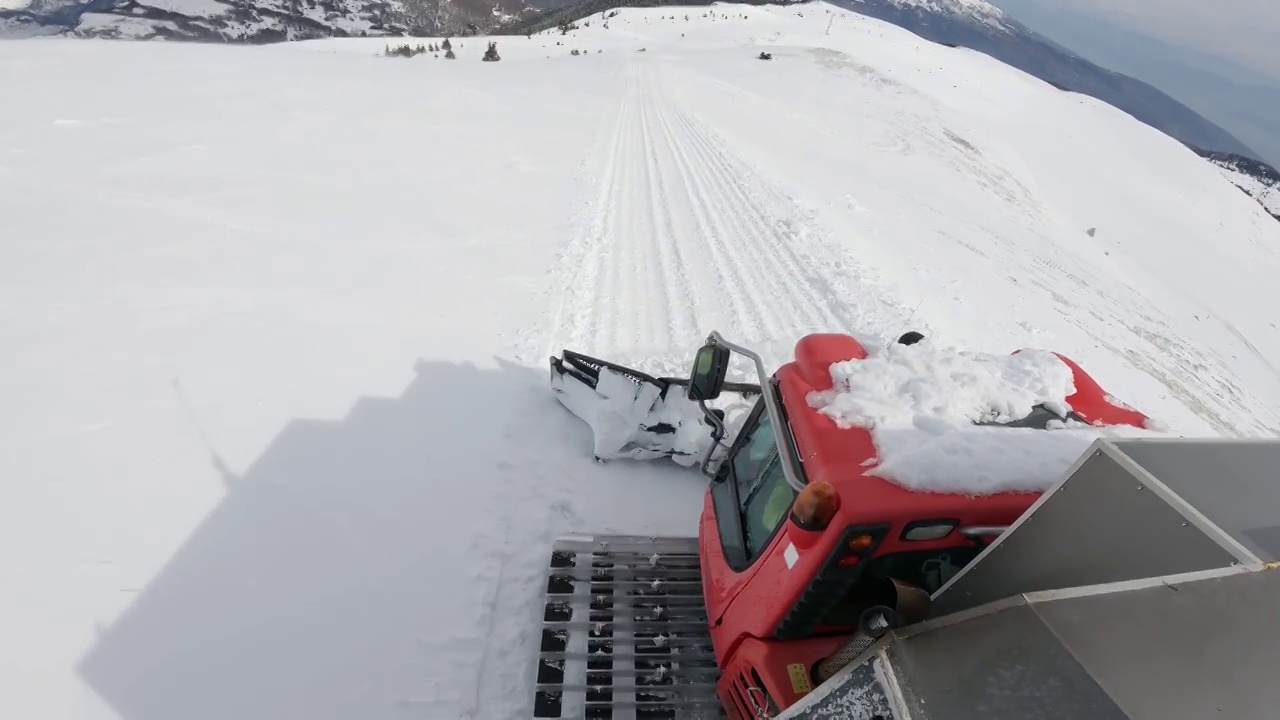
x: 801, y: 558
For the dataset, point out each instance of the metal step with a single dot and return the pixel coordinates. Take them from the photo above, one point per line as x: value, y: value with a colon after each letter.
x: 625, y: 633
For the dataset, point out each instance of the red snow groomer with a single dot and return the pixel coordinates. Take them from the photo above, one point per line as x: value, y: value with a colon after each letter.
x: 801, y: 559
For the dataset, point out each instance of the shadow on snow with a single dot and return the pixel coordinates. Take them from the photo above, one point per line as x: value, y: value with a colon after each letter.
x: 380, y: 565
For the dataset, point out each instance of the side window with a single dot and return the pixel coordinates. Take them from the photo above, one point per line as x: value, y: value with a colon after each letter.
x: 764, y: 509
x: 724, y: 499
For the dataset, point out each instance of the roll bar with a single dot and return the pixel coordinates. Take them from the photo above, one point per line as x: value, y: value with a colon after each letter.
x: 786, y: 449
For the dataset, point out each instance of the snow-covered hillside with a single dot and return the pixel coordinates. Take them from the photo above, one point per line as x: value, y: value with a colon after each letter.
x: 262, y: 20
x: 1260, y: 183
x: 978, y: 10
x: 278, y: 440
x: 254, y: 21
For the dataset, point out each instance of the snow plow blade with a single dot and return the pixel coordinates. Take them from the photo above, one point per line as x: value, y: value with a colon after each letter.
x: 633, y: 414
x: 624, y: 632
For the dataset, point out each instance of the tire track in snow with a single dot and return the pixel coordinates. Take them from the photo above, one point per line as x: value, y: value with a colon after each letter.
x: 654, y: 285
x: 768, y: 214
x: 784, y: 264
x: 746, y: 318
x: 750, y: 250
x: 605, y: 266
x: 680, y: 216
x: 580, y: 271
x: 629, y: 291
x: 705, y: 251
x: 679, y: 292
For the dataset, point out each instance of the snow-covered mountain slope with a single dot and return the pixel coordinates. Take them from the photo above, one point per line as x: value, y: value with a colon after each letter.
x: 971, y: 10
x: 278, y: 440
x: 262, y: 21
x: 980, y: 26
x: 1258, y: 180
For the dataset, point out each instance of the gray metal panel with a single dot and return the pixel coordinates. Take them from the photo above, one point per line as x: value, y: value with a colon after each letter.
x: 1234, y: 483
x: 1005, y: 665
x: 1101, y: 525
x: 857, y: 695
x: 1202, y: 649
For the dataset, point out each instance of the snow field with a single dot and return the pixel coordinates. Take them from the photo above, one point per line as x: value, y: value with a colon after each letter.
x: 226, y: 479
x: 278, y: 434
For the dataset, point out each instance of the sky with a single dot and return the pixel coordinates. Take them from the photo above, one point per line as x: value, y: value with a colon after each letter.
x: 1242, y: 31
x: 1226, y: 70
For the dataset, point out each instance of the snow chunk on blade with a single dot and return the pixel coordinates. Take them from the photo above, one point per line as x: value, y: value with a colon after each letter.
x: 638, y: 416
x: 635, y: 420
x: 964, y: 422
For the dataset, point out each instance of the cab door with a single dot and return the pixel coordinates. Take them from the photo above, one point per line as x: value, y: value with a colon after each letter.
x: 750, y: 500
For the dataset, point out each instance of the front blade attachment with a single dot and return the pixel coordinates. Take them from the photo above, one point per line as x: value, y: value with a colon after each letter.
x: 633, y: 414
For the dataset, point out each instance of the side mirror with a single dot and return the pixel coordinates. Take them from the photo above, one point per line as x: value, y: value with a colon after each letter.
x: 709, y: 369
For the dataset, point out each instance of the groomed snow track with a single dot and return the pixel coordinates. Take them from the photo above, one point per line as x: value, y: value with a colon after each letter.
x: 685, y: 236
x: 624, y: 632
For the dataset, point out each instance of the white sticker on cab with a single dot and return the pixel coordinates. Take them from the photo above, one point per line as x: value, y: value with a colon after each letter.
x: 791, y: 555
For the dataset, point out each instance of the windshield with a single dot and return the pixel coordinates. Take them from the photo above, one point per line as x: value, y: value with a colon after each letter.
x: 766, y: 506
x: 753, y: 498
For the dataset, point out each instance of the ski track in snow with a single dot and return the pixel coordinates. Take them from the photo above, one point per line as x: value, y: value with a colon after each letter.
x: 685, y: 239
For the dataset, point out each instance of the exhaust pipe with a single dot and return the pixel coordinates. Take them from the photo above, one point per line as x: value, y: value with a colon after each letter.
x: 908, y: 605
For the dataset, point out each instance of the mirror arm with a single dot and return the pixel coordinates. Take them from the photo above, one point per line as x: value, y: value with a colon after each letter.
x: 717, y: 434
x: 790, y: 463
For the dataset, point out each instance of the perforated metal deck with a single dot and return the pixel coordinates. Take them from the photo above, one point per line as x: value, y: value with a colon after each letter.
x: 624, y: 634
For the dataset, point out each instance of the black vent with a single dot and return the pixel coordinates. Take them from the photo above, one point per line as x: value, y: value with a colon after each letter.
x: 829, y: 585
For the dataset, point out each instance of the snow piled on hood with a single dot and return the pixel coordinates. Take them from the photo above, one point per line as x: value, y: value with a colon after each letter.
x: 920, y: 403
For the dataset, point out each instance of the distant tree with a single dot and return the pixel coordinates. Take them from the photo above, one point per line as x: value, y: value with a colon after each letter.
x: 447, y: 45
x: 405, y: 51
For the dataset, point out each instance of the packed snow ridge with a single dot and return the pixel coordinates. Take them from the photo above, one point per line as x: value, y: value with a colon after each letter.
x: 922, y: 402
